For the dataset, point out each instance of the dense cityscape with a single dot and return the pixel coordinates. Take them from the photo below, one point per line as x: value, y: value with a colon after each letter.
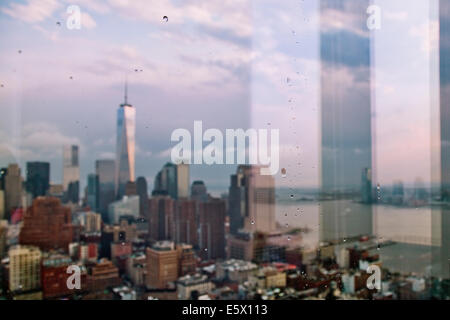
x: 179, y: 242
x: 112, y: 235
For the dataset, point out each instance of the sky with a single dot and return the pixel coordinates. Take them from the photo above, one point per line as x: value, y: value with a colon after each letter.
x: 232, y: 64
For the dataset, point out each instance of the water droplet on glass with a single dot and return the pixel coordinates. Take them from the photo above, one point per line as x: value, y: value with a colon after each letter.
x: 20, y: 51
x: 292, y: 196
x: 58, y: 23
x: 283, y: 172
x: 165, y: 18
x: 253, y: 222
x: 206, y: 249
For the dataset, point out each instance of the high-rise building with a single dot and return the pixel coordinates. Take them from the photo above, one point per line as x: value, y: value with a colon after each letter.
x: 71, y: 173
x: 105, y: 170
x: 198, y: 191
x: 130, y: 188
x: 252, y: 200
x: 38, y: 178
x: 47, y: 224
x: 93, y: 192
x: 24, y: 268
x: 141, y: 184
x: 182, y: 181
x: 3, y: 172
x: 166, y: 181
x: 346, y: 119
x: 125, y: 147
x: 212, y: 229
x: 2, y: 204
x: 173, y: 180
x: 440, y: 146
x: 162, y: 265
x: 185, y: 222
x: 3, y: 237
x: 237, y: 201
x: 92, y: 222
x: 13, y: 189
x: 161, y: 217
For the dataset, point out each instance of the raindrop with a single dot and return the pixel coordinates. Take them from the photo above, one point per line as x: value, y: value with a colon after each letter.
x: 206, y: 249
x: 288, y: 80
x: 292, y: 196
x: 58, y: 23
x: 289, y: 238
x: 1, y: 85
x: 20, y: 51
x: 253, y: 222
x: 283, y: 172
x: 287, y: 225
x: 165, y: 18
x: 71, y: 78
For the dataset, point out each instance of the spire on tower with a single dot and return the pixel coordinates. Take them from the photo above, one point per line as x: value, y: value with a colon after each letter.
x: 126, y: 92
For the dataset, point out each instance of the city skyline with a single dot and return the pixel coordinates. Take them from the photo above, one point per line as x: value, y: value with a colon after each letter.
x: 297, y: 52
x: 237, y: 150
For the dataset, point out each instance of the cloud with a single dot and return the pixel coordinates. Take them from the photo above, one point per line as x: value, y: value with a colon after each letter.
x: 87, y: 21
x: 32, y: 11
x: 37, y: 141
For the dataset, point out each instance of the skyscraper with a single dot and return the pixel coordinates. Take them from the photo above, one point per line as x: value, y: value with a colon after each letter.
x: 71, y: 173
x: 346, y: 123
x: 142, y: 192
x: 182, y: 180
x: 173, y: 180
x: 105, y: 170
x: 160, y: 217
x: 125, y: 147
x: 93, y: 192
x: 185, y: 222
x: 13, y: 189
x: 252, y: 200
x: 198, y: 191
x: 212, y: 229
x: 38, y: 178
